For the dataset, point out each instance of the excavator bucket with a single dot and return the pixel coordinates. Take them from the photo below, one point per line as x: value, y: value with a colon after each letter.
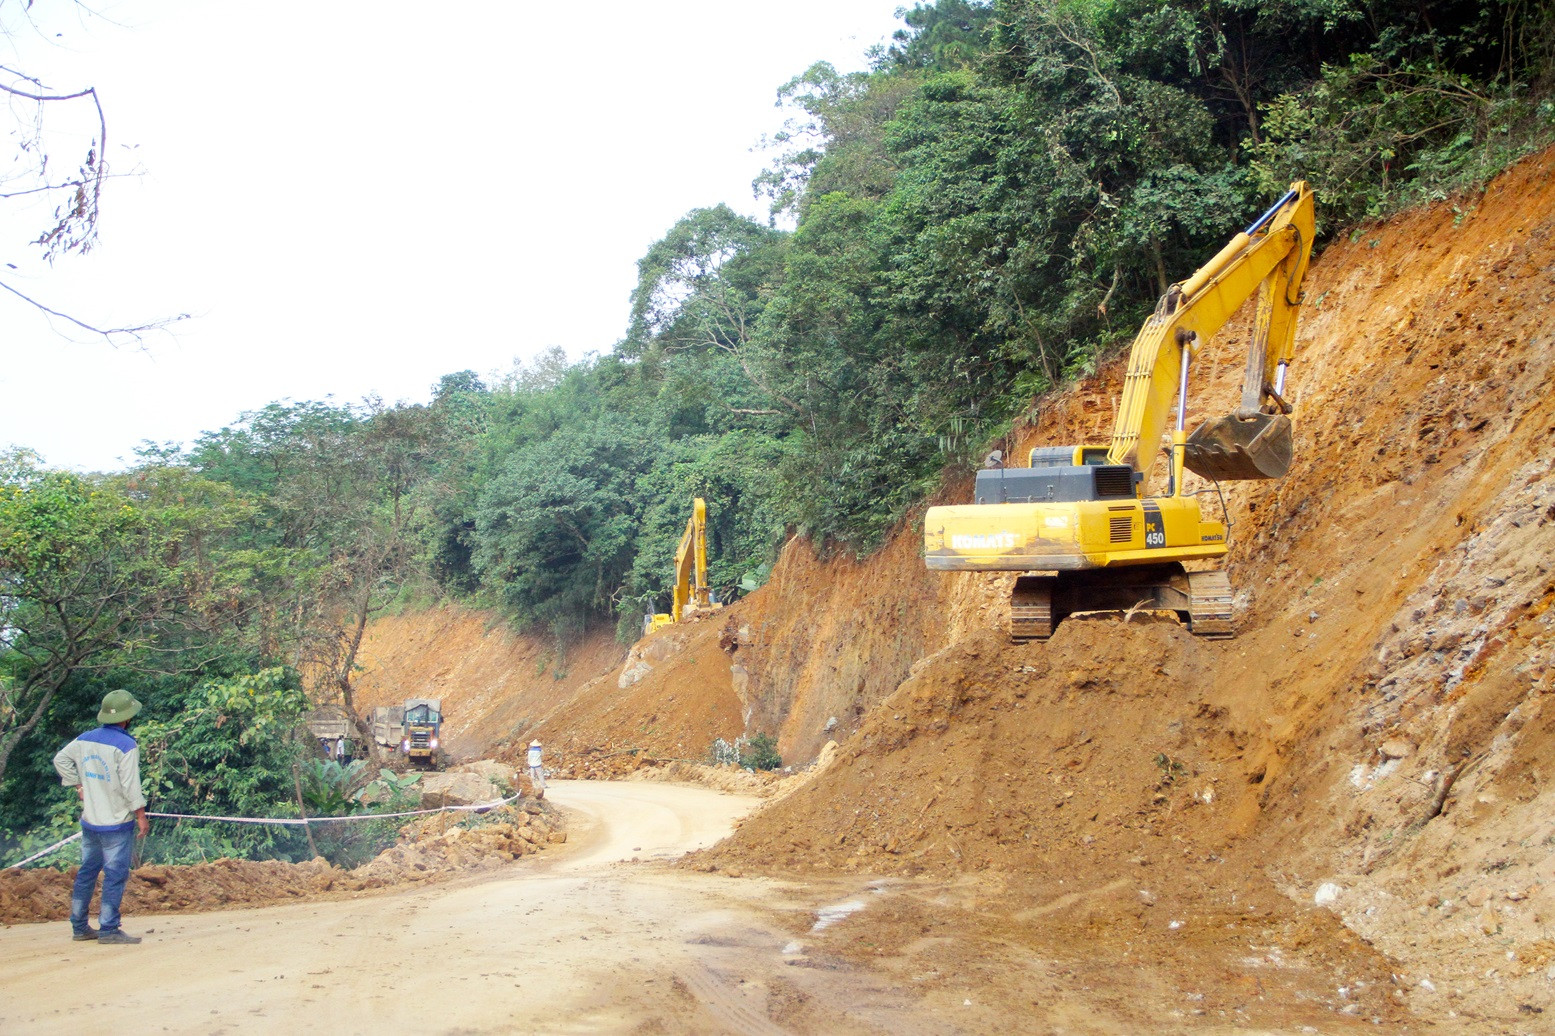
x: 1234, y: 447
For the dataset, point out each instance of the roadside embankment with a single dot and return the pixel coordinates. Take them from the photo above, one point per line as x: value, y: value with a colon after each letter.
x: 435, y: 848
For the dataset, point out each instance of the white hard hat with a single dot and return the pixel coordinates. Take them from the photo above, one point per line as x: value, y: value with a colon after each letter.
x: 534, y: 744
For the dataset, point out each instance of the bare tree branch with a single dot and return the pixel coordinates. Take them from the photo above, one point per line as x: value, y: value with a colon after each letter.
x: 136, y: 332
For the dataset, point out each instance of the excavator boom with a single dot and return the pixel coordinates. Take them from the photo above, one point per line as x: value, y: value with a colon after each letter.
x: 691, y: 590
x: 1269, y: 257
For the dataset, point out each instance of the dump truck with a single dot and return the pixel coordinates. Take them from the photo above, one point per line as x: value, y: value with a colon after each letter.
x: 330, y: 727
x: 413, y: 729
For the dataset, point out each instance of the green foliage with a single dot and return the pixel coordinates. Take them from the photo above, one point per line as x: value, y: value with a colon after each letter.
x: 102, y: 572
x: 61, y: 818
x: 1172, y: 770
x: 760, y: 753
x: 223, y: 748
x: 1371, y: 137
x: 556, y: 528
x: 213, y: 747
x: 734, y: 473
x: 700, y: 286
x: 945, y: 35
x: 394, y: 791
x: 756, y: 578
x: 330, y: 789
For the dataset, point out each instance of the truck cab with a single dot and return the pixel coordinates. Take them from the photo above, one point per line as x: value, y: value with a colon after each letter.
x: 422, y: 739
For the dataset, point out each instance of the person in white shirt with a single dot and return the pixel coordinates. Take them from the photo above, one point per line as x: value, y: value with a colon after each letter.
x: 103, y: 765
x: 536, y: 771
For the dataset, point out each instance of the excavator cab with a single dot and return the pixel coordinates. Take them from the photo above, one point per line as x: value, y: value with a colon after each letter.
x: 1239, y: 446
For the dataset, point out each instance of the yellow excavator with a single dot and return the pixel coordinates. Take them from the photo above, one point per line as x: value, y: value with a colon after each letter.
x: 691, y: 596
x: 1076, y: 521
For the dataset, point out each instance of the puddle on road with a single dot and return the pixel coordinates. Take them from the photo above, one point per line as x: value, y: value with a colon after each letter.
x: 828, y: 916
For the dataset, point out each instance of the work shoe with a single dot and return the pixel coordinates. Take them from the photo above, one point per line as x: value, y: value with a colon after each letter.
x: 116, y: 938
x: 86, y: 936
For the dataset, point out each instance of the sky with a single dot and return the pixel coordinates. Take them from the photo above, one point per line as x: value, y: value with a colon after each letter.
x: 354, y: 198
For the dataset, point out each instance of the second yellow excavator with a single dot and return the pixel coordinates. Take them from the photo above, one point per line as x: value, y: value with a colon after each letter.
x: 691, y: 595
x: 1076, y: 521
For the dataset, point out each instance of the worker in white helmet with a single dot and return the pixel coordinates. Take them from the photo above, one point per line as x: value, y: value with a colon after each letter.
x: 536, y: 771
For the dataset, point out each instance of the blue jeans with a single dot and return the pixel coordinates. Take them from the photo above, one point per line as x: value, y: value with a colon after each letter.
x: 108, y: 852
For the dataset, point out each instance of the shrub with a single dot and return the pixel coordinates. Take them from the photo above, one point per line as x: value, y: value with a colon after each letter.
x: 761, y: 753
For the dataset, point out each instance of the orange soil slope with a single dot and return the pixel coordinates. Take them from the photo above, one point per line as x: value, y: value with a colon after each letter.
x: 1380, y: 721
x: 500, y: 689
x: 494, y: 684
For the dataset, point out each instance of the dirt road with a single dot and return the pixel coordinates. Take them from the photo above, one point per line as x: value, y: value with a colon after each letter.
x: 594, y: 937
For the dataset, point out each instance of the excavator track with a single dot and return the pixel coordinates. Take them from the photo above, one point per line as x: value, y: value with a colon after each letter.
x: 1202, y: 600
x: 1209, y: 605
x: 1031, y: 609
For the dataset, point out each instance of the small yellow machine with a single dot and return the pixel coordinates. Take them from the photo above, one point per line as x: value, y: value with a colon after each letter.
x: 691, y: 596
x: 1076, y: 520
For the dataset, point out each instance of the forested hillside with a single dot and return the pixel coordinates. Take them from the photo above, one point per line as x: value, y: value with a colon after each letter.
x: 953, y: 233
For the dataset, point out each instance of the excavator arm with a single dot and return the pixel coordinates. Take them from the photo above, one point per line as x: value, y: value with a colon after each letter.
x: 690, y: 595
x: 1269, y: 257
x: 691, y: 588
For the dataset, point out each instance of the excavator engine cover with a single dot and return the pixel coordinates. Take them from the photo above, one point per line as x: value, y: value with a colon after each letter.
x: 1234, y: 447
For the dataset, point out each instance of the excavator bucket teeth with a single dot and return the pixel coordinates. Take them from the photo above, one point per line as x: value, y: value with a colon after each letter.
x: 1233, y: 447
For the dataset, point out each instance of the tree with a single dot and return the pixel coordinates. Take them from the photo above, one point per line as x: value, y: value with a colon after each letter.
x: 100, y: 574
x: 339, y: 487
x: 557, y: 529
x: 839, y: 118
x: 944, y: 35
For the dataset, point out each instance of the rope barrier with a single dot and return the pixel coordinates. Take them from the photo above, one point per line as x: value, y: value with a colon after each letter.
x: 45, y: 852
x: 477, y: 807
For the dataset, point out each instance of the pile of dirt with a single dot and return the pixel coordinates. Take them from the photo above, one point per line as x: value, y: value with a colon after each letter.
x: 436, y: 848
x: 1102, y: 790
x: 44, y: 894
x: 994, y: 757
x: 599, y: 711
x: 676, y: 694
x: 591, y: 762
x: 731, y: 779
